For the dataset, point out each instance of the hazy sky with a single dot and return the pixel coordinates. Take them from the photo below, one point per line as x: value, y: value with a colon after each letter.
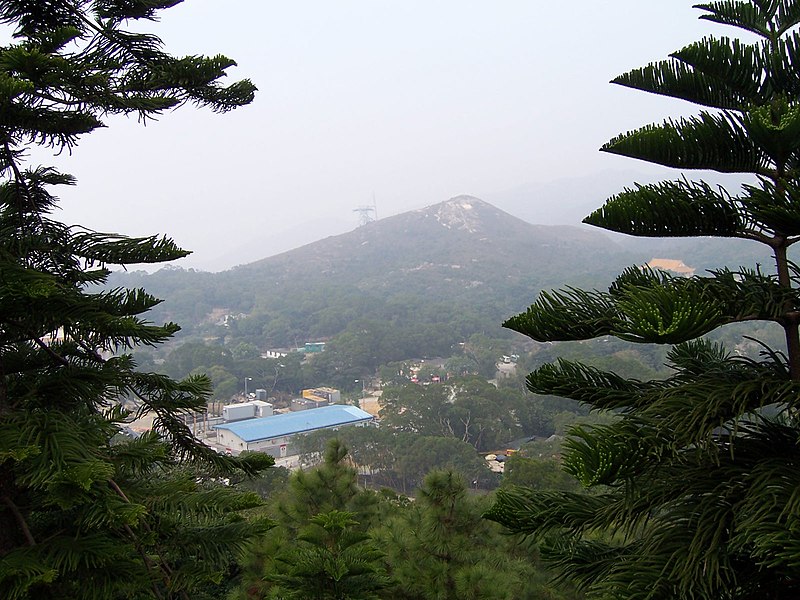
x: 412, y: 101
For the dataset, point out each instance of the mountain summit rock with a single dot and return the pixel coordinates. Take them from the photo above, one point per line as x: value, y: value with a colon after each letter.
x: 461, y: 212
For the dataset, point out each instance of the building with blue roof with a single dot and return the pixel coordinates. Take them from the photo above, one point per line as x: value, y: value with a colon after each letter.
x: 273, y: 434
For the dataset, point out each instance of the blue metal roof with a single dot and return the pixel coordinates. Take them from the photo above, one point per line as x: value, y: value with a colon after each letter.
x: 253, y: 430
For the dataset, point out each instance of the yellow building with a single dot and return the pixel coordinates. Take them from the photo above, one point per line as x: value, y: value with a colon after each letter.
x: 672, y: 265
x: 323, y: 395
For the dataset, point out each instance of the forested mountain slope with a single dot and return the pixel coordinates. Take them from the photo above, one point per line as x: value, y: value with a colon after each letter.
x: 462, y: 247
x: 461, y: 261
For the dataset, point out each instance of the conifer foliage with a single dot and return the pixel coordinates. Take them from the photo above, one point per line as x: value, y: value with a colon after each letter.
x: 83, y: 512
x: 697, y: 484
x: 320, y: 548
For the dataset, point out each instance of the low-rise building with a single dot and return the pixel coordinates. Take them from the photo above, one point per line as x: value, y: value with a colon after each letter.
x: 313, y: 347
x: 273, y: 435
x: 672, y: 265
x: 323, y: 395
x: 246, y: 410
x: 298, y: 404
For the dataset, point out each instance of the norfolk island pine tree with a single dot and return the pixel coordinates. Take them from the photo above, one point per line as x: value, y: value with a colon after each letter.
x: 83, y: 515
x: 696, y: 486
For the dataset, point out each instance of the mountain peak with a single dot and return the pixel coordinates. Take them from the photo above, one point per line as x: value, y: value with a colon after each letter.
x: 464, y: 200
x: 459, y: 213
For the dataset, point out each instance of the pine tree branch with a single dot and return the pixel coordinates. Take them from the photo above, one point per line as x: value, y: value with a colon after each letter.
x: 4, y: 408
x: 164, y: 566
x: 148, y: 562
x: 53, y: 354
x: 20, y: 182
x: 790, y: 327
x: 55, y: 100
x: 79, y: 14
x: 18, y: 516
x: 93, y: 354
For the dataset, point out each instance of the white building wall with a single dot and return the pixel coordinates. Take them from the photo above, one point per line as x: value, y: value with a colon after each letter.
x: 238, y: 412
x: 276, y: 447
x: 262, y: 409
x: 230, y: 441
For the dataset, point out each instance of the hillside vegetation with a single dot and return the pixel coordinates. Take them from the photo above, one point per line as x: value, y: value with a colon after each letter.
x: 461, y: 263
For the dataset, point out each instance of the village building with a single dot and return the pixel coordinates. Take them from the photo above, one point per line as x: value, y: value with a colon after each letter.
x: 274, y: 435
x: 672, y: 265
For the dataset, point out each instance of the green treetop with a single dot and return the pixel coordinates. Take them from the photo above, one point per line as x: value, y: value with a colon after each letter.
x: 331, y: 559
x: 319, y: 548
x: 439, y: 548
x: 697, y: 486
x: 83, y: 513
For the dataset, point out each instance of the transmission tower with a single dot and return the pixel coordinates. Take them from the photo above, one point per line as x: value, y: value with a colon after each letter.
x: 367, y: 213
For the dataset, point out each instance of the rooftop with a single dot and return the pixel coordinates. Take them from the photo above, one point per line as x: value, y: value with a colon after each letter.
x: 669, y: 264
x: 252, y: 430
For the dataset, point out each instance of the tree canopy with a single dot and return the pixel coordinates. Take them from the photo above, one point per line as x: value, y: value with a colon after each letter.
x: 320, y: 548
x: 86, y: 512
x: 696, y: 484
